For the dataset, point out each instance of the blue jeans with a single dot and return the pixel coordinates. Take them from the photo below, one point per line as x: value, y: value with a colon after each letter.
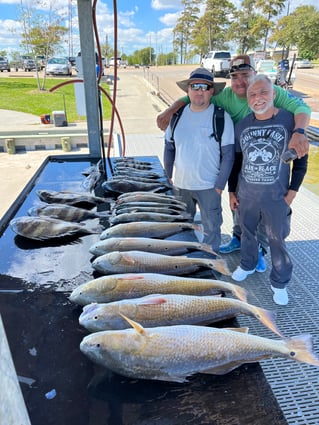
x: 209, y: 204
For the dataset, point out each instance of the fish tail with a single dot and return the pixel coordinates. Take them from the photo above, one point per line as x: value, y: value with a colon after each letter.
x: 301, y: 349
x: 207, y: 248
x: 239, y: 292
x: 221, y: 267
x: 267, y: 318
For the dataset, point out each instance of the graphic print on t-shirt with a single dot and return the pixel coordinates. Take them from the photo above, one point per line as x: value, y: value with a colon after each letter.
x: 262, y: 148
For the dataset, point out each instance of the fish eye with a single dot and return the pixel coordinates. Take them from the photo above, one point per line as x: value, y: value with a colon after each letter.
x: 98, y: 345
x: 292, y: 354
x: 96, y: 317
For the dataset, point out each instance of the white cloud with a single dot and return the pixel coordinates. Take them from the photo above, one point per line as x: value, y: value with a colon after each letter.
x: 169, y: 19
x: 166, y: 4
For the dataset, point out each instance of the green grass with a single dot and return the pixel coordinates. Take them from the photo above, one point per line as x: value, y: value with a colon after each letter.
x: 23, y: 95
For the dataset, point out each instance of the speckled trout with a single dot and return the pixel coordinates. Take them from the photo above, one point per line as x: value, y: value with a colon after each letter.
x: 148, y: 262
x: 170, y: 309
x: 148, y: 229
x: 168, y: 247
x: 173, y: 353
x: 116, y: 287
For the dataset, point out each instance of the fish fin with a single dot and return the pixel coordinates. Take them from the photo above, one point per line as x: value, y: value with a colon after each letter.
x: 127, y: 257
x: 131, y: 277
x: 300, y: 348
x: 267, y: 318
x: 152, y: 300
x: 223, y: 369
x: 198, y: 228
x: 139, y: 328
x: 243, y: 330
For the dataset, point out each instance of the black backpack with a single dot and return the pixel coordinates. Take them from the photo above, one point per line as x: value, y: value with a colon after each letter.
x: 218, y: 123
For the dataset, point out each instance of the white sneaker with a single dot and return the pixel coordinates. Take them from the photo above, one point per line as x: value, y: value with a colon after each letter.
x: 239, y: 274
x: 280, y: 296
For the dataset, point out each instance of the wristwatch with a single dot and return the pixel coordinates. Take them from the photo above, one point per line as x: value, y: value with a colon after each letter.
x: 299, y: 130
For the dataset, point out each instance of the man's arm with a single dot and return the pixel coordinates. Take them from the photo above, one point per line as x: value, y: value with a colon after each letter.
x: 298, y: 141
x: 302, y: 113
x: 164, y: 118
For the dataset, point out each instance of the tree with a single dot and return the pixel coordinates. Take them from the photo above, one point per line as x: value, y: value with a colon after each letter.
x: 269, y: 9
x: 243, y: 28
x: 210, y: 30
x: 300, y: 29
x: 42, y: 33
x: 183, y: 29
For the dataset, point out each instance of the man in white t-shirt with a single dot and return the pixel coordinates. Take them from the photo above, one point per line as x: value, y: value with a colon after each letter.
x: 200, y: 164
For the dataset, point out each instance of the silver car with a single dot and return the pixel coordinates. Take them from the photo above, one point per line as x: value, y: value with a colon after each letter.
x: 59, y: 66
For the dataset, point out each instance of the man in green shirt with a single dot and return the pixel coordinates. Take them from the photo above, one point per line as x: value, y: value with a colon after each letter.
x: 234, y: 100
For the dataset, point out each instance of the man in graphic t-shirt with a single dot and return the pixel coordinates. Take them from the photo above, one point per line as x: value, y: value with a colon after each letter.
x: 266, y: 185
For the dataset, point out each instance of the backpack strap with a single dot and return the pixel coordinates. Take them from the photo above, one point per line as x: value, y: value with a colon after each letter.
x: 174, y: 120
x: 218, y: 126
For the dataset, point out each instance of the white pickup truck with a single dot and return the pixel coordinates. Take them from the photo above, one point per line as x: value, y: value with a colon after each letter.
x: 218, y: 62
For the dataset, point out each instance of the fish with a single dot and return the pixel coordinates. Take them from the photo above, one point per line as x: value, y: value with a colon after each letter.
x: 147, y: 196
x: 43, y: 228
x: 70, y: 198
x: 129, y: 159
x: 66, y: 212
x: 170, y: 309
x: 158, y: 209
x: 130, y: 177
x: 149, y: 205
x: 148, y: 262
x: 174, y: 353
x: 149, y: 229
x: 116, y: 287
x: 168, y: 247
x: 148, y: 216
x: 139, y: 173
x: 125, y: 185
x: 134, y: 165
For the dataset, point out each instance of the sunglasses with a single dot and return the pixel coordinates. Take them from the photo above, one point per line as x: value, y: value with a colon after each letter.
x: 201, y: 86
x: 241, y: 67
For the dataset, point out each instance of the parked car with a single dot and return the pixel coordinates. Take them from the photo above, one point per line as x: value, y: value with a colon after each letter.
x: 267, y: 67
x: 4, y: 65
x: 30, y: 65
x: 218, y: 62
x: 301, y: 63
x: 59, y: 66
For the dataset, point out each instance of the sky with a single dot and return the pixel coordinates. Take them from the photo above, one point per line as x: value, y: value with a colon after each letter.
x: 141, y: 23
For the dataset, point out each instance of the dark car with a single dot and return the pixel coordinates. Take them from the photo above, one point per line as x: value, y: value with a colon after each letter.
x: 4, y: 65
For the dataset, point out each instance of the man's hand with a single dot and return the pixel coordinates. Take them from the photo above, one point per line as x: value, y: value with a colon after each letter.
x: 300, y: 143
x: 290, y: 196
x: 233, y: 201
x: 164, y: 118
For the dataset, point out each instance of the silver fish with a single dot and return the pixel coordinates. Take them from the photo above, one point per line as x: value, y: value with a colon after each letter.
x: 173, y: 353
x: 170, y: 309
x: 125, y: 185
x: 148, y: 262
x: 130, y: 177
x: 147, y: 196
x: 70, y: 198
x: 159, y: 209
x: 148, y: 216
x: 66, y: 212
x: 168, y: 247
x: 139, y: 173
x: 116, y: 287
x: 42, y: 228
x: 139, y: 204
x: 149, y: 229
